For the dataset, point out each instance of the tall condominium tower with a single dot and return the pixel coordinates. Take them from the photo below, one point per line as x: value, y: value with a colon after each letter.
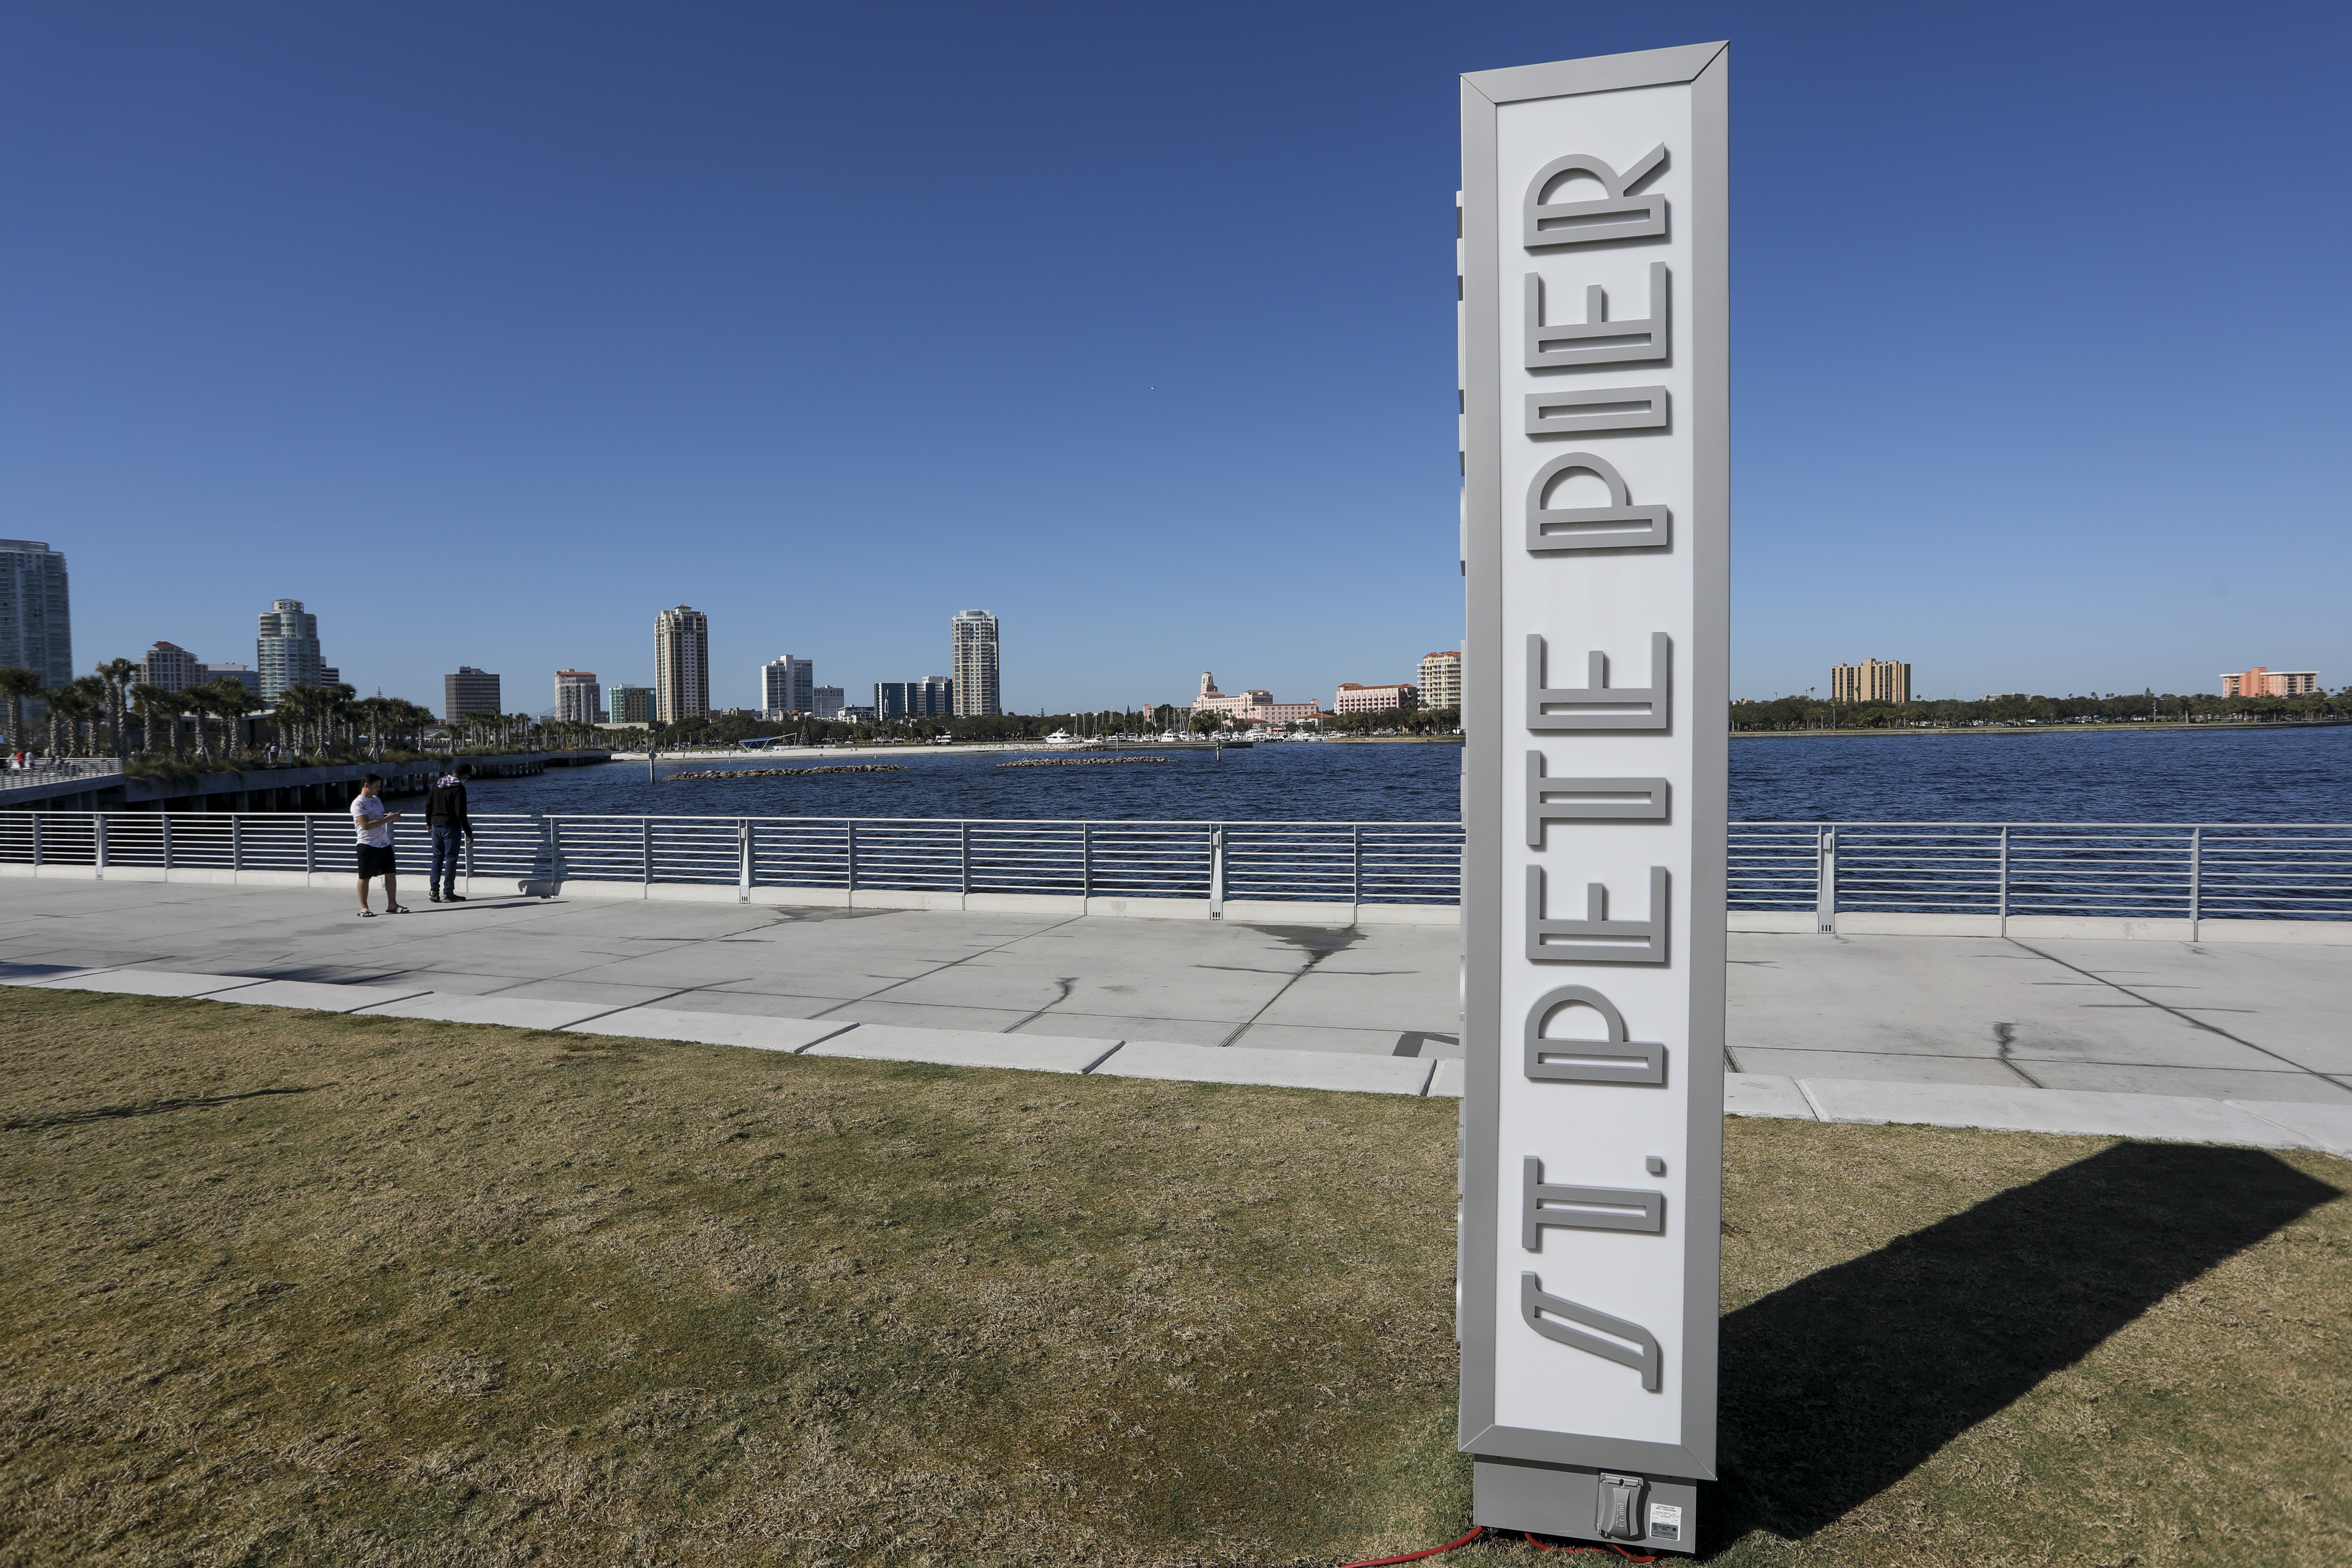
x: 288, y: 650
x: 787, y: 685
x: 575, y: 698
x: 681, y: 665
x: 1441, y: 679
x: 35, y: 623
x: 974, y: 648
x: 171, y: 667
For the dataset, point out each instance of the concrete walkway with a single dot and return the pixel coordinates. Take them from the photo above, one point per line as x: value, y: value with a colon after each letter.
x: 2241, y: 1044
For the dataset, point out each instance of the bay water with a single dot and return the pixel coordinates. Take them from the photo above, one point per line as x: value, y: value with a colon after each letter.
x: 2220, y: 773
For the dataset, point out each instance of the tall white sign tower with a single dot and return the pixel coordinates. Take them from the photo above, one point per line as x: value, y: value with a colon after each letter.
x: 1595, y: 527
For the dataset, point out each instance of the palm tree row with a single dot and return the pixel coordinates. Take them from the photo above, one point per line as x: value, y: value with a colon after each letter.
x: 93, y: 715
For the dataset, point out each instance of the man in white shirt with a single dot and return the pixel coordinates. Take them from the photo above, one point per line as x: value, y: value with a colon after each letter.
x: 371, y: 825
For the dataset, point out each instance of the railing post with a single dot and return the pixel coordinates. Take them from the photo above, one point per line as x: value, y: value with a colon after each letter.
x: 1217, y: 872
x: 1356, y: 871
x: 2004, y: 878
x: 645, y: 850
x: 1085, y: 860
x: 97, y: 819
x: 235, y: 844
x: 1825, y: 878
x: 850, y: 840
x: 2196, y: 880
x: 37, y: 838
x: 167, y: 845
x: 310, y: 844
x: 966, y: 826
x: 743, y: 859
x: 553, y: 836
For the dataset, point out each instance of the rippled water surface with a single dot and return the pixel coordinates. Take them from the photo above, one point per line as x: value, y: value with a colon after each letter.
x: 2228, y: 774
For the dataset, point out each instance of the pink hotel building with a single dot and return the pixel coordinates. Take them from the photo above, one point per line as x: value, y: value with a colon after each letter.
x: 2260, y: 682
x: 1355, y: 699
x: 1255, y: 706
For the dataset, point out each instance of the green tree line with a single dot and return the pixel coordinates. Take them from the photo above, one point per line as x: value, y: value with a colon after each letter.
x: 2020, y: 708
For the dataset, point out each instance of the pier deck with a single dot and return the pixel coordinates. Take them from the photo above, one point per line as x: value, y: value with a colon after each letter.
x: 1926, y: 1028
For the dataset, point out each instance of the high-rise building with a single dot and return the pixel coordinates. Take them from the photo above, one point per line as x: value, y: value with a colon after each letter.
x: 170, y: 666
x: 244, y: 674
x: 1441, y: 679
x: 287, y: 649
x: 933, y: 696
x: 35, y: 619
x: 681, y: 665
x: 973, y: 640
x: 575, y: 698
x: 787, y: 685
x: 1872, y: 681
x: 825, y: 701
x: 471, y: 690
x: 629, y: 704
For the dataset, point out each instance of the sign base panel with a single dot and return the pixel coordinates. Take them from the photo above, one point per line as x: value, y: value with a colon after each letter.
x: 1566, y: 1501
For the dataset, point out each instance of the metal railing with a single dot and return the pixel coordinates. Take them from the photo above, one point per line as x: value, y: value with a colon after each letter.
x: 1333, y: 862
x: 55, y: 770
x: 2133, y: 870
x: 2130, y: 870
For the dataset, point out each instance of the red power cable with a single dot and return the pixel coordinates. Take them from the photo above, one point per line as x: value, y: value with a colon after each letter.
x: 1613, y: 1546
x: 1475, y: 1531
x: 1478, y: 1529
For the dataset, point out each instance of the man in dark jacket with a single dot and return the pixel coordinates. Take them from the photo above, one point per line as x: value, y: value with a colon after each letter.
x: 445, y: 813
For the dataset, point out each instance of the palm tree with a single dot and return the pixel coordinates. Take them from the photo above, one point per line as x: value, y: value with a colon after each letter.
x: 149, y: 700
x: 118, y: 674
x: 72, y: 705
x: 227, y: 700
x: 298, y: 706
x: 17, y: 683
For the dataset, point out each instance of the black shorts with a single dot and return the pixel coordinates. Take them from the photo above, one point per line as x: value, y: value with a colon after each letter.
x: 374, y: 861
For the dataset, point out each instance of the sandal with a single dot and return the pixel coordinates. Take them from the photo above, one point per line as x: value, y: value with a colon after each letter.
x: 398, y: 910
x: 367, y: 914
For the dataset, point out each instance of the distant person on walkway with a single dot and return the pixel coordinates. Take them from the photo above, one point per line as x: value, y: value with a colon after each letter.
x: 445, y: 813
x: 372, y: 826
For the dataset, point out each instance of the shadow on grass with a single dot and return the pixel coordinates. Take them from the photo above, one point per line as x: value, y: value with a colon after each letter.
x: 1841, y: 1384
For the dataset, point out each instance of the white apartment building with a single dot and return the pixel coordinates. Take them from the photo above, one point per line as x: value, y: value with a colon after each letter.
x: 787, y: 686
x: 1441, y: 679
x: 171, y: 667
x: 974, y: 641
x: 575, y: 698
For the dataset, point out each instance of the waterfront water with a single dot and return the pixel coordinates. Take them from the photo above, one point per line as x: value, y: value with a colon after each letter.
x: 2224, y: 773
x: 1290, y: 782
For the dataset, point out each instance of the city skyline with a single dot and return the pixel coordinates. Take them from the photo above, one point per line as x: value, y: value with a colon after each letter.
x: 212, y: 378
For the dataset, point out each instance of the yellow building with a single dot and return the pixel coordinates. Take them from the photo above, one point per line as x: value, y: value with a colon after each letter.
x: 1872, y: 681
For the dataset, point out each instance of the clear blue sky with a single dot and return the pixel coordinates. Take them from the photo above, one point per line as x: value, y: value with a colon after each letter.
x: 490, y: 329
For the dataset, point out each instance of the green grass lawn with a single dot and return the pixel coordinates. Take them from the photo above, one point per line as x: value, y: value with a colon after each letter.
x: 290, y: 1288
